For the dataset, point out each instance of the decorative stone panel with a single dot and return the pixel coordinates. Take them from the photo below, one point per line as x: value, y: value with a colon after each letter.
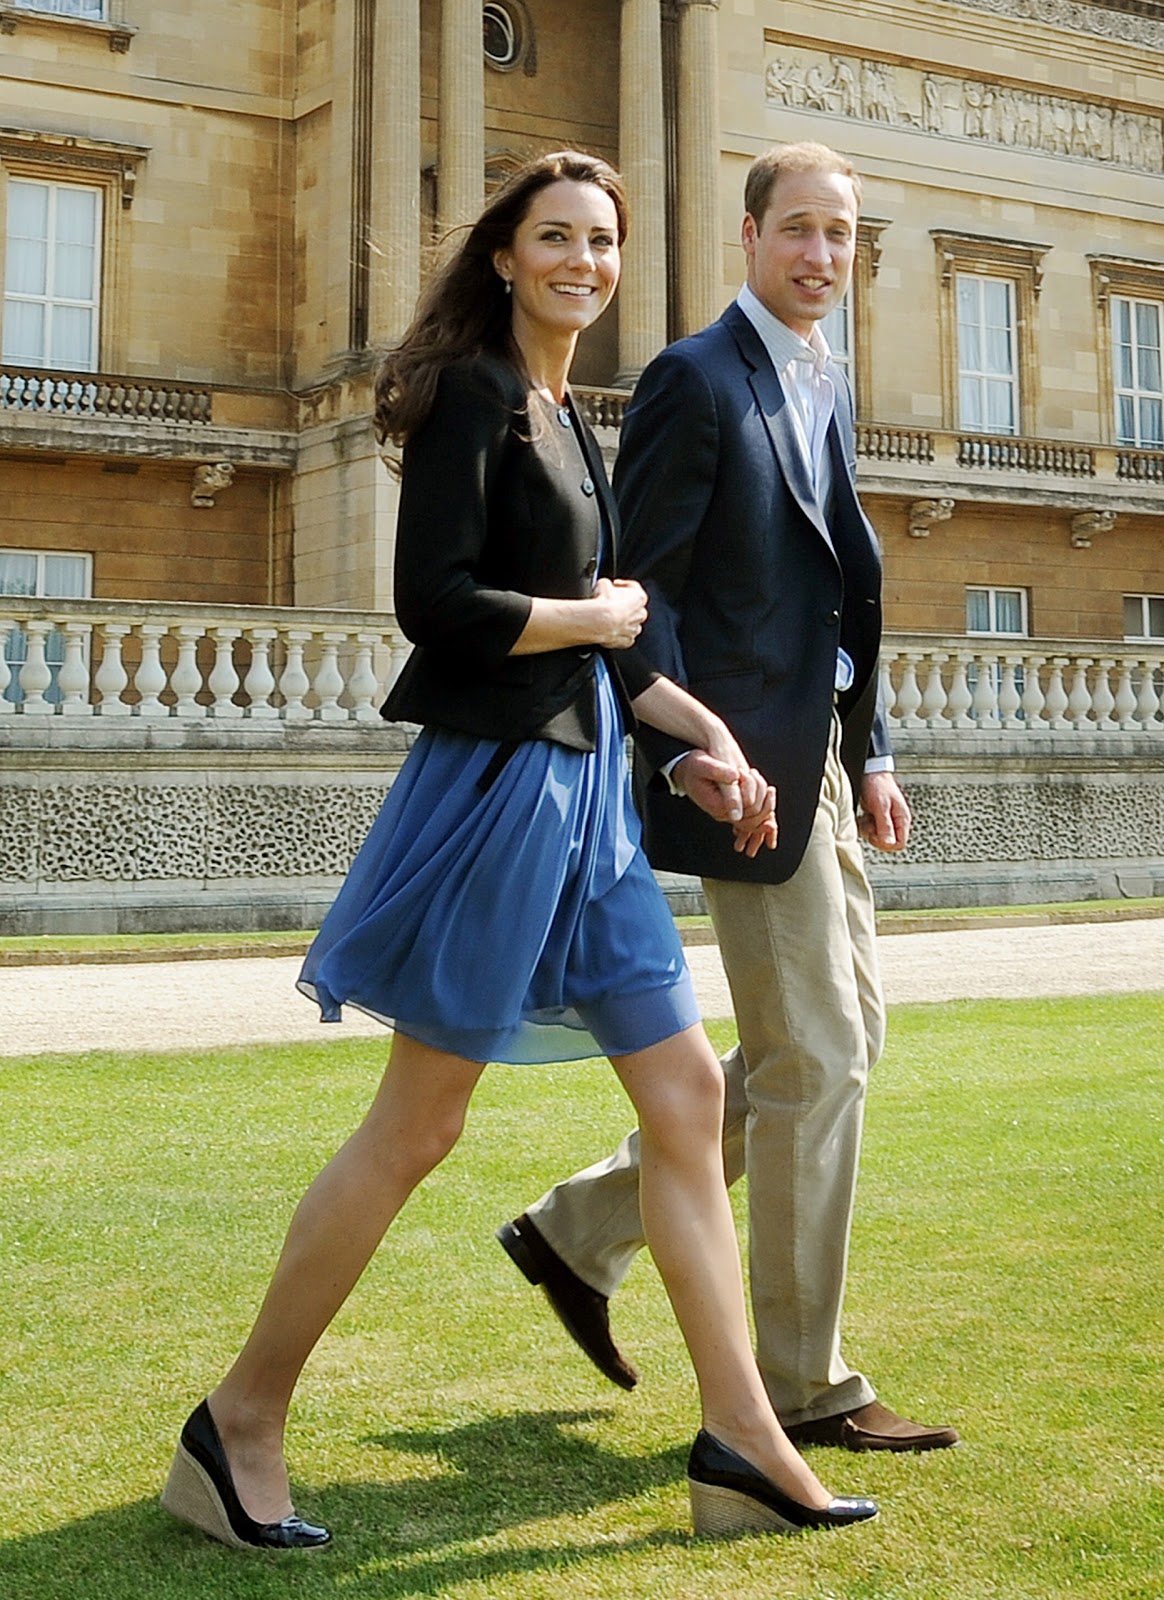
x: 288, y: 830
x: 1044, y: 818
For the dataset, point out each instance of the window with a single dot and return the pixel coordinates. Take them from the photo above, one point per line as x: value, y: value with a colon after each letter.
x: 29, y: 574
x: 838, y: 332
x: 91, y: 10
x: 987, y: 365
x: 508, y: 37
x: 997, y: 611
x: 53, y: 275
x: 1143, y: 616
x: 988, y: 309
x: 1139, y: 383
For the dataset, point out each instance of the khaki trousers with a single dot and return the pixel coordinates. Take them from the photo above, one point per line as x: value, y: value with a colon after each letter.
x: 801, y: 963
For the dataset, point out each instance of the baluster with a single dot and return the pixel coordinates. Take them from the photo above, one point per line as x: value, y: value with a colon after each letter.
x: 259, y: 683
x: 293, y: 681
x: 1056, y: 694
x: 186, y: 678
x: 1125, y: 697
x: 150, y: 678
x: 959, y: 700
x: 111, y: 679
x: 1009, y: 701
x: 363, y: 686
x: 36, y: 675
x: 888, y: 693
x: 223, y: 682
x: 1102, y: 699
x: 401, y: 650
x: 985, y: 699
x: 74, y: 674
x: 909, y: 696
x: 7, y: 707
x: 1147, y: 701
x: 1032, y: 699
x: 934, y: 698
x: 329, y: 681
x: 1079, y: 700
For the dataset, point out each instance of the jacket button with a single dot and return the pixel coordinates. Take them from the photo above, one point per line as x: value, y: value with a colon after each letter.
x: 833, y: 617
x: 587, y: 485
x: 590, y: 568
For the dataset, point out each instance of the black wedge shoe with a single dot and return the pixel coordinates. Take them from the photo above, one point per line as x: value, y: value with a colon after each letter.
x: 200, y: 1491
x: 729, y: 1495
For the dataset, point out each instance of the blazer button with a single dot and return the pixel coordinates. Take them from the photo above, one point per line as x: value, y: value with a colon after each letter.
x: 587, y: 485
x: 590, y: 568
x: 833, y: 617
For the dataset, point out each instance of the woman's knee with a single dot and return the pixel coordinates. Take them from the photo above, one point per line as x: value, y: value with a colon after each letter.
x: 684, y: 1102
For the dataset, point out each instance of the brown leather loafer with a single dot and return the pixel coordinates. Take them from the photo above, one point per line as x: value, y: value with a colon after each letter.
x: 871, y: 1427
x: 584, y: 1313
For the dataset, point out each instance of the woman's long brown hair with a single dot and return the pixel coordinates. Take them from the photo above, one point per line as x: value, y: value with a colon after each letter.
x: 465, y: 311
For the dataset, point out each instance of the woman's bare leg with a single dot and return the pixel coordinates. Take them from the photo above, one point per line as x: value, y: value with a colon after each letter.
x: 677, y: 1090
x: 413, y: 1123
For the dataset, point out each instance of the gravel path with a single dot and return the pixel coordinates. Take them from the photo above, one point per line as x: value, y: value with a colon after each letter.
x: 189, y: 1004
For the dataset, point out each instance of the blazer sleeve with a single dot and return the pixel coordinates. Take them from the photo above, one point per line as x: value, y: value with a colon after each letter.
x: 450, y: 473
x: 663, y: 482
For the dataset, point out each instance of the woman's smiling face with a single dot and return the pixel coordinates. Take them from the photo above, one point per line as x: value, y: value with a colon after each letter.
x: 564, y: 260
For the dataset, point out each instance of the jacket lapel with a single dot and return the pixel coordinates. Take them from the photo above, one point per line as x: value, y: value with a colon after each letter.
x: 774, y: 408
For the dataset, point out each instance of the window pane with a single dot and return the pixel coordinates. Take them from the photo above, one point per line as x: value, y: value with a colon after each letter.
x: 17, y: 572
x: 998, y: 351
x: 1133, y: 616
x: 996, y: 302
x: 1008, y: 611
x: 1125, y: 419
x: 66, y: 577
x: 72, y: 337
x: 23, y: 331
x: 999, y: 407
x: 835, y: 328
x: 978, y: 610
x: 1151, y: 423
x: 970, y: 404
x: 1156, y: 616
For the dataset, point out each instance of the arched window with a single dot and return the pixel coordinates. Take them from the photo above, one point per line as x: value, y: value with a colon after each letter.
x: 502, y: 35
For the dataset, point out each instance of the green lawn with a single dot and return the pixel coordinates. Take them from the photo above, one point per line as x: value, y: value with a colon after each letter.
x: 1005, y: 1276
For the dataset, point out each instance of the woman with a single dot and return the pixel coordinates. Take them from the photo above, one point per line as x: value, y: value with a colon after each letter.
x: 501, y: 907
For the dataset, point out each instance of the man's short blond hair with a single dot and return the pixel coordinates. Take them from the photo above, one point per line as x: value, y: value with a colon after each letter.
x: 806, y: 156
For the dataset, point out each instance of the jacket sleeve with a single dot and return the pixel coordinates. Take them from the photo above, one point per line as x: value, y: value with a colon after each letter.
x: 450, y: 474
x: 663, y: 481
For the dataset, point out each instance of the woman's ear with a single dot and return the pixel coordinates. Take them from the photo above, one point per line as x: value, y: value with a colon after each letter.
x: 503, y: 266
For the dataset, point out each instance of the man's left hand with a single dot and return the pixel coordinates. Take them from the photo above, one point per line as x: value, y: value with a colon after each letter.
x: 884, y: 819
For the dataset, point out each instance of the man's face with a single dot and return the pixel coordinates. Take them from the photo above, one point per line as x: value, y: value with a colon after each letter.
x: 800, y: 255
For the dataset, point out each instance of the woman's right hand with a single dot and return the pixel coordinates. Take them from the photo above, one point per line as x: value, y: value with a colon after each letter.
x: 620, y: 609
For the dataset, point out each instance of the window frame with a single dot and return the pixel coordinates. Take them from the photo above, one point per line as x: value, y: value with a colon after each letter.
x: 1137, y: 392
x: 1146, y: 603
x: 49, y: 300
x: 983, y: 256
x: 54, y: 639
x: 979, y: 375
x: 1120, y: 278
x: 992, y: 591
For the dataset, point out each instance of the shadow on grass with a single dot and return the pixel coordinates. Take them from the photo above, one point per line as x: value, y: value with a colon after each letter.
x: 469, y: 1518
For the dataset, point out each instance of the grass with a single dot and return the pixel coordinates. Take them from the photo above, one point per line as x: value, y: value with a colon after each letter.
x: 1005, y: 1276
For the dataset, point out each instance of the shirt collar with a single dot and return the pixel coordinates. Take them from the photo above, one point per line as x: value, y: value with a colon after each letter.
x: 782, y: 344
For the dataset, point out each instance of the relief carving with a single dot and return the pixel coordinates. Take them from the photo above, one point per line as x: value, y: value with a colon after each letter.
x: 1079, y: 17
x: 964, y: 108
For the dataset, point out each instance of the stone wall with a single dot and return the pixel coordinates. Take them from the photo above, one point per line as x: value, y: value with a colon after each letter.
x: 123, y: 829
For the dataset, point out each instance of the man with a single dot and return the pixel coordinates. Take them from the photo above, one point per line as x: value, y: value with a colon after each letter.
x: 740, y: 517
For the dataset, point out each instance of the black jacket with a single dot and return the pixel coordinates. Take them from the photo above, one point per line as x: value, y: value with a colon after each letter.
x: 751, y: 589
x: 496, y: 508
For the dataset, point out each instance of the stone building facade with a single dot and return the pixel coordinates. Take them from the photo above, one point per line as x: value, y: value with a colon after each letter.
x: 213, y: 217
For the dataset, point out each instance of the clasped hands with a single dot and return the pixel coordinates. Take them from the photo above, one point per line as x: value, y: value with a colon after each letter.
x: 723, y: 785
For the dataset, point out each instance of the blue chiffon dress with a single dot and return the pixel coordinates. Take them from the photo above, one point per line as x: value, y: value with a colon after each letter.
x: 518, y: 923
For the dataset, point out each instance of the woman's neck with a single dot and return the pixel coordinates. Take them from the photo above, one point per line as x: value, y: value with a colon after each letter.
x: 547, y: 361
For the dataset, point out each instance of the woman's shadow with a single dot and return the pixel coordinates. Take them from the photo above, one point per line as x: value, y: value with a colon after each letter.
x: 415, y: 1533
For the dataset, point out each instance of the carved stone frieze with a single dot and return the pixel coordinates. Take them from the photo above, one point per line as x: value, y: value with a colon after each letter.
x: 943, y: 105
x: 1105, y: 21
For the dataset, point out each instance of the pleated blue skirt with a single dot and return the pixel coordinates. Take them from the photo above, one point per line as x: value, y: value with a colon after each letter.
x: 520, y: 922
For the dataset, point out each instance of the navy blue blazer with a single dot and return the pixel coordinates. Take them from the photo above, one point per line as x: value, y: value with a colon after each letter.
x: 751, y: 587
x: 495, y: 508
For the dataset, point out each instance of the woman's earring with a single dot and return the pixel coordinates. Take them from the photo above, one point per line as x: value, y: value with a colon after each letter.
x: 508, y: 282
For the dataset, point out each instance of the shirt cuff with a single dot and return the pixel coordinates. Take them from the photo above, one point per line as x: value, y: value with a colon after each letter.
x: 668, y: 768
x: 880, y: 764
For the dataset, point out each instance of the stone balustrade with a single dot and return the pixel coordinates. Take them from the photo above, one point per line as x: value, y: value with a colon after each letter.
x: 80, y: 659
x: 983, y: 686
x: 972, y: 457
x: 242, y: 664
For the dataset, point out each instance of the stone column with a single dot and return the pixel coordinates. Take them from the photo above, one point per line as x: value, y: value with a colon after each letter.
x: 642, y: 297
x: 461, y: 152
x: 395, y: 195
x: 700, y: 247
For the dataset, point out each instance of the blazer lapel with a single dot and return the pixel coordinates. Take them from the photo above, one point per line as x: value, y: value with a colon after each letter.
x: 774, y: 408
